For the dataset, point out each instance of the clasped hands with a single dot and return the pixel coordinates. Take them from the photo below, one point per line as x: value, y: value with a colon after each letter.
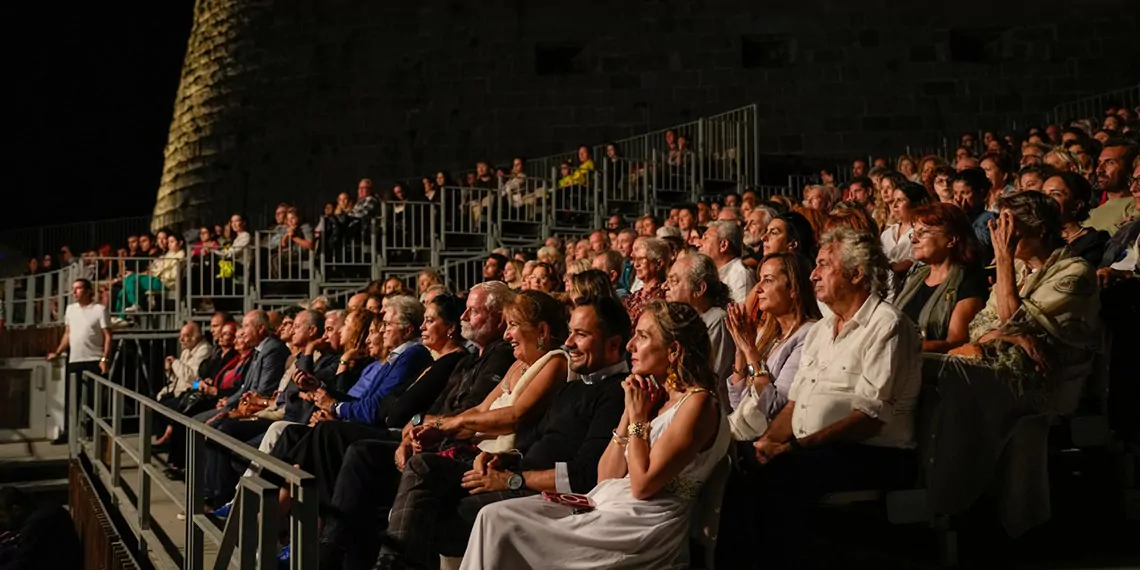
x: 487, y: 474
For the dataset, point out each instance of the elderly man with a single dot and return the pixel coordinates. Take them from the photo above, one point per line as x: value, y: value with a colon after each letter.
x: 755, y: 227
x: 723, y: 243
x: 370, y: 464
x: 260, y: 380
x: 730, y: 214
x: 693, y: 279
x: 358, y: 301
x: 849, y: 420
x: 439, y: 497
x: 624, y: 246
x: 182, y: 371
x: 599, y: 242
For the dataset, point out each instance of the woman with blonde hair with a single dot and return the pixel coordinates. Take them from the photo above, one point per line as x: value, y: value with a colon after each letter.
x: 905, y: 165
x: 589, y: 283
x: 669, y: 440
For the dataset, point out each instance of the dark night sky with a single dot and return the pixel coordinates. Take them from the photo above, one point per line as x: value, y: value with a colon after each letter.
x: 93, y: 107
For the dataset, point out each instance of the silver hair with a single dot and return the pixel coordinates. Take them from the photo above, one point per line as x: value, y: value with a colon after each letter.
x: 499, y: 295
x: 730, y: 232
x: 548, y: 251
x: 769, y: 214
x: 316, y: 319
x: 702, y: 269
x: 410, y: 310
x: 195, y: 330
x: 668, y: 232
x: 861, y: 251
x: 656, y: 249
x: 260, y: 318
x: 735, y: 211
x: 338, y: 313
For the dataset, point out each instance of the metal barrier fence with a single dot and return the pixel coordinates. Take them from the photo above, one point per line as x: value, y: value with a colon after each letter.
x: 1094, y: 107
x: 574, y: 205
x: 626, y: 187
x: 524, y: 210
x: 348, y: 250
x: 80, y: 237
x: 37, y: 300
x: 467, y: 219
x: 284, y: 267
x: 104, y: 433
x: 462, y: 274
x: 408, y: 233
x: 143, y: 289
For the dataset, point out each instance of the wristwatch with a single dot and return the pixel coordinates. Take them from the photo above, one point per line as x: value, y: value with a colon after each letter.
x: 417, y: 420
x: 516, y: 482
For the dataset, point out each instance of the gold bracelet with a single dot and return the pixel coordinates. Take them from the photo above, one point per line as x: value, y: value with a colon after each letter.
x: 639, y: 430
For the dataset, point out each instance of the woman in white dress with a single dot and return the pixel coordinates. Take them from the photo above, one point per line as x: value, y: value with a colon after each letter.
x: 666, y: 445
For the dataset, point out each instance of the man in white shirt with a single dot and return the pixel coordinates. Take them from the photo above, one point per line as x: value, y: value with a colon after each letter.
x: 693, y: 280
x: 723, y: 242
x: 87, y: 340
x: 849, y: 421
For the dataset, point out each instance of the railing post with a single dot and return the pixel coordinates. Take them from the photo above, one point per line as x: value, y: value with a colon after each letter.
x: 303, y: 534
x: 195, y: 482
x: 146, y: 416
x: 116, y: 435
x: 96, y: 409
x: 73, y: 411
x: 376, y: 263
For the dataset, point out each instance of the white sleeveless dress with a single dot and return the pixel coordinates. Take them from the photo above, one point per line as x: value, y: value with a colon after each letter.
x: 622, y: 532
x: 507, y: 397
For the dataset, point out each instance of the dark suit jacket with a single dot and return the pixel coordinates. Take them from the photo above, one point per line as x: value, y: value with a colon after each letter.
x: 265, y: 371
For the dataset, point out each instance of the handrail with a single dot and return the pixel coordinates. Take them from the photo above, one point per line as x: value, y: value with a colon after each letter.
x: 245, y: 536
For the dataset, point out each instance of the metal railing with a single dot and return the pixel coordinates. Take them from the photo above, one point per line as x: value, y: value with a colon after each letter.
x: 80, y: 236
x: 37, y: 300
x: 349, y: 253
x: 103, y: 432
x: 283, y: 267
x: 1093, y: 107
x: 462, y: 274
x: 408, y: 232
x: 467, y: 219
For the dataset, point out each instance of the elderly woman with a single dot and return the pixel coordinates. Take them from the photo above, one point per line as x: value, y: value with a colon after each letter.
x: 668, y: 442
x: 1030, y: 349
x: 694, y: 280
x: 650, y: 260
x: 162, y: 275
x: 849, y: 420
x: 543, y: 278
x: 768, y: 349
x: 947, y: 287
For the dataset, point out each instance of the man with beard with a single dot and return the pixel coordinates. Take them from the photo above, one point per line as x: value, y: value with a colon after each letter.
x: 370, y: 473
x: 754, y: 229
x: 1111, y: 182
x: 439, y: 497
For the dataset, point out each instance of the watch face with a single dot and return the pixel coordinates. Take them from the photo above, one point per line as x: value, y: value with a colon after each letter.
x: 515, y: 482
x: 417, y: 420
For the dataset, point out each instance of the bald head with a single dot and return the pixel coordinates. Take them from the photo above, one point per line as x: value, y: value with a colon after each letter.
x: 357, y: 301
x: 190, y: 335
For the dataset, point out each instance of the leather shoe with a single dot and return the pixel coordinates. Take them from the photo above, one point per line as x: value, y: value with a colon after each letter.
x: 174, y: 474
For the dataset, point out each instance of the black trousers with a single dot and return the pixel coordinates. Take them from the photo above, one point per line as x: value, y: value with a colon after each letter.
x: 432, y: 513
x: 321, y: 450
x: 786, y: 488
x: 365, y: 487
x: 77, y: 368
x: 204, y: 410
x: 222, y: 466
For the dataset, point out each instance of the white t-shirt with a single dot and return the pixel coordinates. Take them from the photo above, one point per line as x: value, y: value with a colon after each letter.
x: 85, y: 326
x: 738, y: 278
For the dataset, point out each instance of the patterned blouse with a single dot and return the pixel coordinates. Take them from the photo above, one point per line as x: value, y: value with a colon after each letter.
x: 636, y: 302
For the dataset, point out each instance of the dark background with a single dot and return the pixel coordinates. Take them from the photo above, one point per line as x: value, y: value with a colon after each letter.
x: 94, y: 88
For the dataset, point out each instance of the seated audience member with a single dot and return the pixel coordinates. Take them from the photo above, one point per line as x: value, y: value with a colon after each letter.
x: 943, y: 180
x: 667, y: 443
x: 251, y: 422
x: 855, y: 218
x: 573, y: 268
x: 323, y: 449
x: 589, y: 283
x: 1114, y: 206
x: 650, y: 260
x: 1073, y: 194
x: 1061, y: 160
x: 768, y: 349
x: 35, y: 535
x: 1033, y: 177
x: 970, y: 188
x: 261, y: 378
x: 512, y: 274
x: 723, y: 243
x: 163, y: 274
x: 544, y: 278
x: 947, y: 287
x: 885, y: 186
x: 1030, y: 350
x: 426, y: 279
x: 181, y: 372
x: 439, y: 496
x: 896, y: 238
x: 790, y: 232
x: 687, y: 223
x: 693, y: 280
x: 206, y: 242
x: 612, y: 264
x: 849, y: 420
x: 1040, y: 283
x: 237, y: 248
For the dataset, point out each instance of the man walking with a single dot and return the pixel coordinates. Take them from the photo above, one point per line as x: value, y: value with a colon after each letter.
x: 87, y: 340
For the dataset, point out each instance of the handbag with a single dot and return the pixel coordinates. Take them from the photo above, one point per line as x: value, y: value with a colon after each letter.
x: 189, y: 399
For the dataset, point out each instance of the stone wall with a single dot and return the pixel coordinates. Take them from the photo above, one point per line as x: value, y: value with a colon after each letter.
x: 296, y: 99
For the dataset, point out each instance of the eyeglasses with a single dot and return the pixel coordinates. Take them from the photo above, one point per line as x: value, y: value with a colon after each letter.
x: 1134, y: 180
x: 926, y: 232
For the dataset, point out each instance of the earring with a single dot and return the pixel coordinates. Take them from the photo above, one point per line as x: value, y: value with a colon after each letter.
x: 540, y: 344
x: 672, y: 379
